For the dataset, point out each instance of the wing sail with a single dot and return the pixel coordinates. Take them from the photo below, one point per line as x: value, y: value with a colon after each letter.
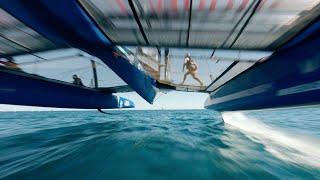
x: 203, y: 23
x: 71, y: 26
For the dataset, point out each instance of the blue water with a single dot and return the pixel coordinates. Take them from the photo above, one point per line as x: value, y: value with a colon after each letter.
x: 182, y: 144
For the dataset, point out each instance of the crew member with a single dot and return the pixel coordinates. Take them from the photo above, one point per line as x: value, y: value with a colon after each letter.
x: 191, y: 67
x: 77, y: 80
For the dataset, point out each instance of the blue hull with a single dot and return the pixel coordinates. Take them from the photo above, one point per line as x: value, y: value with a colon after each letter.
x: 24, y: 89
x: 290, y: 77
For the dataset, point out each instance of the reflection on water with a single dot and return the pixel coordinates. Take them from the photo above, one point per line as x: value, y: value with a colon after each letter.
x: 194, y: 144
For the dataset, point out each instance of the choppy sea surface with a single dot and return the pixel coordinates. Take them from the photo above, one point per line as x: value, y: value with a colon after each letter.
x: 164, y: 144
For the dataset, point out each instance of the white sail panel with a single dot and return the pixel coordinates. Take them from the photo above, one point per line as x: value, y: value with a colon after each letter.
x: 235, y: 24
x: 17, y: 38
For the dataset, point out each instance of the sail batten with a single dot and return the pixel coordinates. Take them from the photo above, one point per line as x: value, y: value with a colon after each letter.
x: 213, y: 24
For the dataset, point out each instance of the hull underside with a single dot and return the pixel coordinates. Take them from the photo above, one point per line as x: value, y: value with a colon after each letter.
x: 290, y: 77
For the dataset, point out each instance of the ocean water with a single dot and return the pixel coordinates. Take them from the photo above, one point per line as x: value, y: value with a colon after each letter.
x: 164, y: 144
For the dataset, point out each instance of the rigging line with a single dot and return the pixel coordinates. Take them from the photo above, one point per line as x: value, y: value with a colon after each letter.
x: 146, y: 19
x: 64, y: 58
x: 234, y: 28
x: 222, y: 74
x: 20, y: 28
x: 240, y: 20
x: 214, y: 50
x: 83, y: 5
x: 53, y: 60
x: 143, y: 14
x: 246, y: 23
x: 26, y: 49
x: 159, y: 96
x: 189, y: 24
x: 68, y: 71
x: 36, y: 36
x: 17, y: 27
x: 138, y: 22
x: 238, y: 35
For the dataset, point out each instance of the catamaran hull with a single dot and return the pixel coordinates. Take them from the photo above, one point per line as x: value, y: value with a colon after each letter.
x: 290, y: 77
x: 20, y: 88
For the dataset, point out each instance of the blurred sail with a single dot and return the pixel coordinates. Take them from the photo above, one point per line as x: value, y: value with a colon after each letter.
x: 203, y: 23
x: 167, y: 65
x: 63, y: 64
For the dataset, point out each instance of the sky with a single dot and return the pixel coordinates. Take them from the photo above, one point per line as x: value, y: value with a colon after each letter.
x: 171, y: 100
x: 64, y: 71
x: 207, y: 69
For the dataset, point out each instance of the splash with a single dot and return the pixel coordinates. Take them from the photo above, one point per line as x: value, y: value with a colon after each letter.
x: 297, y: 149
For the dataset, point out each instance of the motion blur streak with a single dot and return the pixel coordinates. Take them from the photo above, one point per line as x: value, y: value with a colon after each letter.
x: 287, y: 146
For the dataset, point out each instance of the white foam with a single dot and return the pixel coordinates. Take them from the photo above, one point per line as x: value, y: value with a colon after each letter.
x: 294, y: 148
